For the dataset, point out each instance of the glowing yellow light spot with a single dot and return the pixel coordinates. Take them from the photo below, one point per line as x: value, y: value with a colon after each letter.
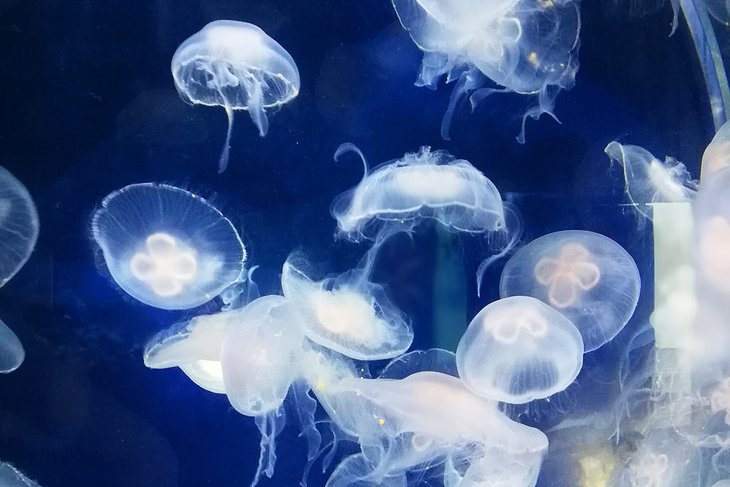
x: 596, y: 469
x: 320, y: 385
x: 547, y: 3
x: 381, y: 421
x: 533, y: 59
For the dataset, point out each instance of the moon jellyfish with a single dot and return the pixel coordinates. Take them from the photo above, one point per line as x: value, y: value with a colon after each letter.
x: 648, y: 180
x: 522, y: 46
x: 717, y: 153
x: 235, y: 65
x: 260, y: 355
x: 167, y: 247
x: 421, y: 185
x: 11, y: 350
x: 586, y: 276
x: 519, y: 349
x: 412, y: 423
x: 194, y: 346
x: 12, y: 477
x: 347, y: 314
x: 18, y: 225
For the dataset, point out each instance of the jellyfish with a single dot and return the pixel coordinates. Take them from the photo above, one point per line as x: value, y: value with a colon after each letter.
x: 519, y: 349
x: 411, y: 424
x: 167, y: 247
x: 235, y: 65
x: 18, y: 225
x: 261, y: 360
x: 348, y: 314
x: 260, y: 355
x: 12, y: 477
x: 717, y: 153
x: 520, y: 46
x: 11, y: 350
x: 648, y: 180
x: 423, y: 185
x: 586, y: 276
x: 195, y: 346
x: 398, y: 195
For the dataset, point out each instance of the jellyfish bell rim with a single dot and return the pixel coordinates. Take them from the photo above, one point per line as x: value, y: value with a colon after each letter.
x: 103, y: 211
x: 22, y: 191
x: 411, y: 214
x: 9, y: 342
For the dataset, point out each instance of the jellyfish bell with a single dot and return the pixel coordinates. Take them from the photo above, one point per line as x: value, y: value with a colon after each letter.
x: 717, y: 153
x: 262, y: 360
x: 195, y: 347
x: 260, y: 355
x: 404, y: 424
x: 348, y: 314
x: 18, y: 225
x: 167, y: 247
x: 12, y: 353
x: 523, y: 47
x: 423, y: 185
x: 648, y: 180
x: 519, y: 349
x: 586, y: 276
x: 235, y: 65
x: 12, y: 477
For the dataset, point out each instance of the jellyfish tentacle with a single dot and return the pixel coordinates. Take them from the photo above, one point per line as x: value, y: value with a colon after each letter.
x: 350, y: 147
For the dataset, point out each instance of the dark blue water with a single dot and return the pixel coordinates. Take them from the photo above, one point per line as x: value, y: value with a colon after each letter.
x: 89, y: 106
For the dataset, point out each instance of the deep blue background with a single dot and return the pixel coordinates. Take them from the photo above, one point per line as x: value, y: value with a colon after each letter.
x: 89, y: 106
